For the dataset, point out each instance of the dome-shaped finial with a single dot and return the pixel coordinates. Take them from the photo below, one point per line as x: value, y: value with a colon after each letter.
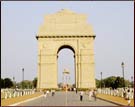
x: 65, y: 11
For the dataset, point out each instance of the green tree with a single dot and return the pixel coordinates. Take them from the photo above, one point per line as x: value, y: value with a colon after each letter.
x: 19, y: 85
x: 128, y: 83
x: 113, y: 82
x: 118, y: 82
x: 8, y: 83
x: 35, y: 82
x: 26, y: 84
x: 110, y: 82
x: 132, y: 84
x: 2, y: 83
x: 98, y: 82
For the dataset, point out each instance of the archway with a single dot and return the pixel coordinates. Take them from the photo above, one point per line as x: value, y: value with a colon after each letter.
x: 66, y: 29
x: 66, y: 61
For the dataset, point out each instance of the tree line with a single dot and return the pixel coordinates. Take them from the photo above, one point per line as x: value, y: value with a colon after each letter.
x: 26, y: 84
x: 113, y: 82
x: 109, y: 82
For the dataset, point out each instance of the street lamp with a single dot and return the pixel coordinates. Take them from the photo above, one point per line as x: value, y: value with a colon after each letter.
x: 22, y: 76
x: 122, y: 65
x: 13, y: 81
x: 132, y: 81
x: 101, y: 80
x: 66, y: 72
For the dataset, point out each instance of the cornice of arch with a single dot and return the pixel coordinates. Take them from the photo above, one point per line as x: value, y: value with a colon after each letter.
x: 65, y: 36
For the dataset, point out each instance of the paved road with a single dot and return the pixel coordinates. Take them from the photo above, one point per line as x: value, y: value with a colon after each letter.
x: 59, y: 99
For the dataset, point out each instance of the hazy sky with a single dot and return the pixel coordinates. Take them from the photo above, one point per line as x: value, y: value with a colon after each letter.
x: 113, y: 24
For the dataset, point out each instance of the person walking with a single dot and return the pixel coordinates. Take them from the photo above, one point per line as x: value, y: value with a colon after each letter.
x: 90, y: 95
x: 53, y: 92
x: 81, y: 95
x: 128, y: 97
x: 124, y: 93
x: 45, y: 95
x: 76, y: 90
x: 94, y: 95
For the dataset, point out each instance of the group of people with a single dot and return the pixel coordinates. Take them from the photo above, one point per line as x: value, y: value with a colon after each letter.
x: 91, y: 93
x: 47, y: 92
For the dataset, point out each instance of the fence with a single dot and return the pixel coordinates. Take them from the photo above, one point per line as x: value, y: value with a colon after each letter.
x: 11, y: 93
x: 127, y: 93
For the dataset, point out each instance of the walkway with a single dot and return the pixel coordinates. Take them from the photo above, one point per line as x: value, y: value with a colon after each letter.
x: 60, y: 99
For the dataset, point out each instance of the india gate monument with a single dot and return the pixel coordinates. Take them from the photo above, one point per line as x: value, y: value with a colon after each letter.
x: 65, y: 29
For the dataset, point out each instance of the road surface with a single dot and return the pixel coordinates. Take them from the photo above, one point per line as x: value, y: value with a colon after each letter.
x: 65, y: 99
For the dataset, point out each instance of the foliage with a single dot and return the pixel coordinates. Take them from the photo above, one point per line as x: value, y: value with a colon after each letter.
x: 118, y: 82
x: 35, y: 82
x: 7, y: 83
x: 98, y: 82
x: 132, y: 84
x: 26, y: 84
x: 2, y: 83
x: 112, y: 82
x: 128, y: 83
x: 19, y: 85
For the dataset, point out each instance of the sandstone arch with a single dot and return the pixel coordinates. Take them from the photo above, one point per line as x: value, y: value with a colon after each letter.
x: 66, y: 29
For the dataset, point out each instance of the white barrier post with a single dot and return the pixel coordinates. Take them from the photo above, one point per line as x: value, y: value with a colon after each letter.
x: 14, y: 94
x: 24, y: 93
x: 5, y: 95
x: 17, y: 94
x: 9, y: 95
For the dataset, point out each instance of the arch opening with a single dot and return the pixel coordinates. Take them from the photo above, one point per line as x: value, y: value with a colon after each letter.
x: 66, y: 61
x: 66, y: 46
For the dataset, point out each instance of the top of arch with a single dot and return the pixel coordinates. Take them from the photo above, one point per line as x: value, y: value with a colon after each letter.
x: 65, y: 23
x: 67, y: 11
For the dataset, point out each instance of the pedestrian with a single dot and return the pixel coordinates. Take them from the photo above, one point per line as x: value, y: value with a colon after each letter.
x: 129, y: 101
x: 45, y: 94
x: 94, y: 94
x: 128, y: 97
x: 124, y: 93
x: 81, y: 95
x: 76, y: 90
x: 47, y: 91
x: 53, y: 92
x: 90, y: 94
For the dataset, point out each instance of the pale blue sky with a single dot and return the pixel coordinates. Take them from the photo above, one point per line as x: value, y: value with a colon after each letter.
x: 112, y: 23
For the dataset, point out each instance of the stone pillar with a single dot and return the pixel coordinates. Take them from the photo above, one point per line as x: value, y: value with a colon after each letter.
x: 87, y: 69
x: 48, y: 69
x: 76, y: 71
